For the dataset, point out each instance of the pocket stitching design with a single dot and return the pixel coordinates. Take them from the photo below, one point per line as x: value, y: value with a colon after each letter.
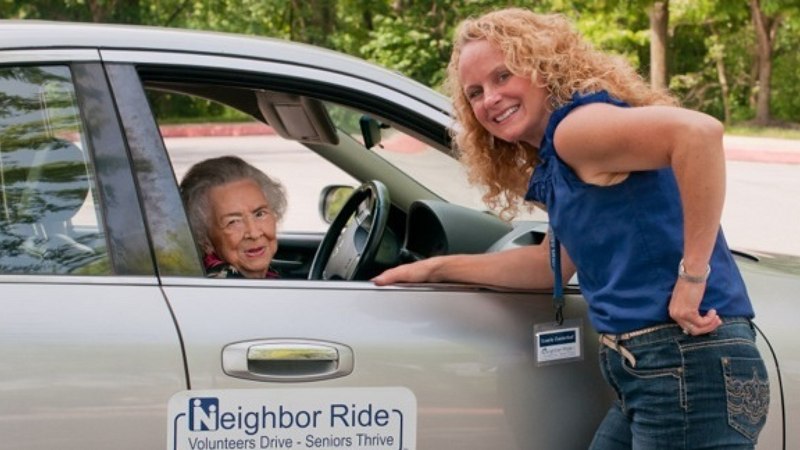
x: 748, y: 400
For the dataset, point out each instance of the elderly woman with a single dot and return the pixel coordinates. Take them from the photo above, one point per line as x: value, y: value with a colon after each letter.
x: 233, y: 210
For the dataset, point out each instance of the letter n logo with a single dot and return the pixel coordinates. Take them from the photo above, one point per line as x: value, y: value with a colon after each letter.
x: 203, y: 413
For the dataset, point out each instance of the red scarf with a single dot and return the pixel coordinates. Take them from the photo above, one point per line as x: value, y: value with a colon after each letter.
x: 212, y: 261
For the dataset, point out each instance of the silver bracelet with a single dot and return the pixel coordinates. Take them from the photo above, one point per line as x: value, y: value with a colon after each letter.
x: 697, y: 279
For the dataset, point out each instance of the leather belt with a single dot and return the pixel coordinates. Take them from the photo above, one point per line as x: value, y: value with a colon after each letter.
x: 612, y: 341
x: 641, y: 331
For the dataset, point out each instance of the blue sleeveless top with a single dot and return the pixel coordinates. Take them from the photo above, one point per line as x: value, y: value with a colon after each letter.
x: 626, y: 240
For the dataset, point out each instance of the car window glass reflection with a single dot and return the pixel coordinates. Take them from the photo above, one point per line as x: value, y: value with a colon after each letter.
x: 49, y: 219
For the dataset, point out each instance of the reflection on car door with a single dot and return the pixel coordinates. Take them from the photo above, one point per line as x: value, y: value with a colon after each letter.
x: 466, y: 355
x: 87, y: 343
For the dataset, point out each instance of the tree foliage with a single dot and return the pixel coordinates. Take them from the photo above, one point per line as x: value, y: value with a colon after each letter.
x: 712, y: 48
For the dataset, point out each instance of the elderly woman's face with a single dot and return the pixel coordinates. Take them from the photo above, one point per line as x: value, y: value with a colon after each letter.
x: 242, y: 229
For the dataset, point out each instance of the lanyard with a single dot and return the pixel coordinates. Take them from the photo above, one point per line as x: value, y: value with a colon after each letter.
x: 558, y: 285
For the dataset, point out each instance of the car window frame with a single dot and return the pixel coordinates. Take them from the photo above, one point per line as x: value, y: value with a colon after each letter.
x: 174, y: 249
x: 149, y: 152
x: 128, y: 244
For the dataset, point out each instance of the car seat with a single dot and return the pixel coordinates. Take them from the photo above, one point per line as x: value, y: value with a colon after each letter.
x: 54, y: 190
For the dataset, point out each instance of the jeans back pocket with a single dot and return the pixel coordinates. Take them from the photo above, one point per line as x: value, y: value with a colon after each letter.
x: 747, y: 389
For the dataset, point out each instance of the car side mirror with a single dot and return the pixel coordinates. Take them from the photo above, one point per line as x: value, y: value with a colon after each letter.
x: 332, y: 199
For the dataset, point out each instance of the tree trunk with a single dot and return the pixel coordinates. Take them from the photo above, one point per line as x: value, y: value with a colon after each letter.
x: 366, y: 17
x: 765, y: 28
x: 324, y: 17
x: 175, y: 13
x: 115, y: 11
x: 716, y: 51
x: 723, y: 84
x: 99, y: 10
x: 659, y: 23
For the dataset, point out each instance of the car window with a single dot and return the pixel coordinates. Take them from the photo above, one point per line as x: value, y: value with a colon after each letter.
x: 303, y: 173
x: 49, y: 213
x: 444, y: 175
x: 431, y: 167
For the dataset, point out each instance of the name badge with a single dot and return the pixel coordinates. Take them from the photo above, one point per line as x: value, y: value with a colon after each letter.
x: 556, y: 344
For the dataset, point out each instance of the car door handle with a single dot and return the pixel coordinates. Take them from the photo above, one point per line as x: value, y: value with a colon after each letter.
x: 287, y: 360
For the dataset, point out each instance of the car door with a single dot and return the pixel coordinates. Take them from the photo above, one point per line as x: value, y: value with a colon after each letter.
x: 88, y: 346
x: 462, y: 356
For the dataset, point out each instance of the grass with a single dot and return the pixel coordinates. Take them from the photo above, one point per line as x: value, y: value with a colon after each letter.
x: 784, y: 132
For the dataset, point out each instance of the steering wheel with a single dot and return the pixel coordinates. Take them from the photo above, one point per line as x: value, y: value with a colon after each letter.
x: 351, y: 243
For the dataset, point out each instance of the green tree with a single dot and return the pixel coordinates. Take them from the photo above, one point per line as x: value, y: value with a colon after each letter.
x: 766, y: 27
x: 768, y: 16
x: 711, y: 56
x: 718, y: 56
x: 785, y: 101
x: 414, y: 36
x: 108, y: 11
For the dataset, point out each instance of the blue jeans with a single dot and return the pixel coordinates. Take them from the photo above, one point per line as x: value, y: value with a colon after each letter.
x: 685, y: 392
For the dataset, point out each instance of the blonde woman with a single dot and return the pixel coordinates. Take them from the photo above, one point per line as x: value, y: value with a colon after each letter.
x: 634, y: 187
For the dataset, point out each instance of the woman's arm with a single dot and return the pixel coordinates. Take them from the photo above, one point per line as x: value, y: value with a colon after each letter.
x: 603, y: 143
x: 523, y: 267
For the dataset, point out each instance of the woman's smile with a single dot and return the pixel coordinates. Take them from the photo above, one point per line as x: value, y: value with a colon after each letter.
x: 506, y: 114
x: 255, y: 252
x: 509, y: 106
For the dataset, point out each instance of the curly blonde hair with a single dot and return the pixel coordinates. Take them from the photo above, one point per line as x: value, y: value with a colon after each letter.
x: 546, y: 48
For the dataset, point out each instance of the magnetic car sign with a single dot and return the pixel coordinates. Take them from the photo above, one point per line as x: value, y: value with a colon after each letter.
x: 323, y: 418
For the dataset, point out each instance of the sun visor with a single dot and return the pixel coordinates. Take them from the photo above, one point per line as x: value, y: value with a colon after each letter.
x: 297, y: 117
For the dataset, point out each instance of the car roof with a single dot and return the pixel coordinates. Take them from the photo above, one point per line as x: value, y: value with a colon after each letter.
x: 34, y: 34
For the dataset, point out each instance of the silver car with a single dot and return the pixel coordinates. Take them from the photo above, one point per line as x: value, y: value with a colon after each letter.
x: 112, y: 337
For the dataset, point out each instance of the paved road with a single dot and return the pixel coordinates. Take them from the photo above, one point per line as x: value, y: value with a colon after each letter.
x: 762, y: 208
x: 765, y: 150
